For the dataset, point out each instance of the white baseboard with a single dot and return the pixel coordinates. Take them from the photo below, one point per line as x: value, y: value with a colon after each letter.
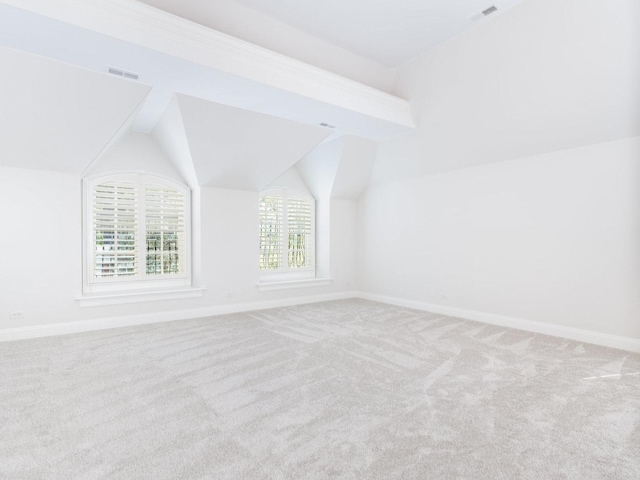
x: 587, y: 336
x: 36, y: 331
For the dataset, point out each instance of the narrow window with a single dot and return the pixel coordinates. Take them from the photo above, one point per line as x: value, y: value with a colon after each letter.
x: 287, y: 233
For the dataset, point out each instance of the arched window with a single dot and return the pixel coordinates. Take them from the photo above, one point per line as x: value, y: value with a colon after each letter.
x: 137, y: 233
x: 287, y: 233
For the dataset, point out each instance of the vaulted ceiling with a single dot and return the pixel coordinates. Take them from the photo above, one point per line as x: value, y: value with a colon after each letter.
x: 175, y: 56
x: 241, y: 149
x: 60, y: 117
x: 389, y: 33
x: 228, y: 114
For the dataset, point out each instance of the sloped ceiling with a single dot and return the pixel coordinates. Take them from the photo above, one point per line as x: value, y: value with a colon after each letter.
x: 136, y: 152
x: 172, y: 138
x: 232, y: 18
x: 356, y: 165
x: 319, y: 168
x: 177, y: 56
x: 59, y: 117
x: 240, y: 149
x: 339, y: 168
x: 527, y: 83
x: 388, y: 32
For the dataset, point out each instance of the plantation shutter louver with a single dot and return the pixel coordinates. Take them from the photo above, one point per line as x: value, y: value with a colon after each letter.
x: 115, y: 224
x: 271, y: 232
x: 164, y: 230
x: 300, y: 230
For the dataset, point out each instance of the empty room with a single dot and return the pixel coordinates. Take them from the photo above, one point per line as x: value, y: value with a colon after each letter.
x: 290, y: 240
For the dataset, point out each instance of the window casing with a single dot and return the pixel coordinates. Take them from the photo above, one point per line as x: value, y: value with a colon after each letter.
x: 136, y: 233
x: 287, y: 234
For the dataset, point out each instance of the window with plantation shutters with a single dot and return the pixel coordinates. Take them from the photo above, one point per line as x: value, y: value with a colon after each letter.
x: 164, y: 230
x: 287, y: 233
x: 137, y: 232
x: 115, y: 229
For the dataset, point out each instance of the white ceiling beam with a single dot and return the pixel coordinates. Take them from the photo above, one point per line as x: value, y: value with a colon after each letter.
x: 148, y: 27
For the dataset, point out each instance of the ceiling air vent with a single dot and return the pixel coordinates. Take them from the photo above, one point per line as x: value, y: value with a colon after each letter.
x: 489, y: 10
x: 122, y: 73
x: 327, y: 125
x: 483, y: 13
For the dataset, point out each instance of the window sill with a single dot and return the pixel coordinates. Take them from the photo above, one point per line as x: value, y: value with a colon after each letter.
x: 265, y: 286
x: 101, y: 299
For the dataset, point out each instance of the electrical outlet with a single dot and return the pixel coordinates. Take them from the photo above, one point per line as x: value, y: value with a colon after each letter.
x: 15, y: 315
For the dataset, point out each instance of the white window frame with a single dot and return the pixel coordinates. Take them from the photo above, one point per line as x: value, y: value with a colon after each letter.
x: 142, y: 281
x: 287, y: 273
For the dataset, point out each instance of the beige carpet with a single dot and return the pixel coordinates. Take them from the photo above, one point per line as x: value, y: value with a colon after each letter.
x: 348, y: 389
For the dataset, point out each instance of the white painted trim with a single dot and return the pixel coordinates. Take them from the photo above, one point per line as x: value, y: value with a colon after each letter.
x: 121, y: 286
x: 142, y: 25
x: 587, y: 336
x: 284, y: 284
x: 580, y: 335
x: 99, y: 300
x: 37, y: 331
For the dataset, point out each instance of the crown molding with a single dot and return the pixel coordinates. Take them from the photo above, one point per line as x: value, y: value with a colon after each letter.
x: 140, y: 24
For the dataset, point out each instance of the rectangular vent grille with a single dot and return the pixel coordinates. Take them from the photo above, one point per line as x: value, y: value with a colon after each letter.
x: 483, y: 14
x: 489, y: 10
x: 122, y: 73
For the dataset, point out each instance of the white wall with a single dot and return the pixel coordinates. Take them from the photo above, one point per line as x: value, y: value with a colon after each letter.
x: 519, y: 194
x: 343, y: 244
x: 42, y: 251
x: 551, y: 238
x: 41, y: 245
x: 232, y: 254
